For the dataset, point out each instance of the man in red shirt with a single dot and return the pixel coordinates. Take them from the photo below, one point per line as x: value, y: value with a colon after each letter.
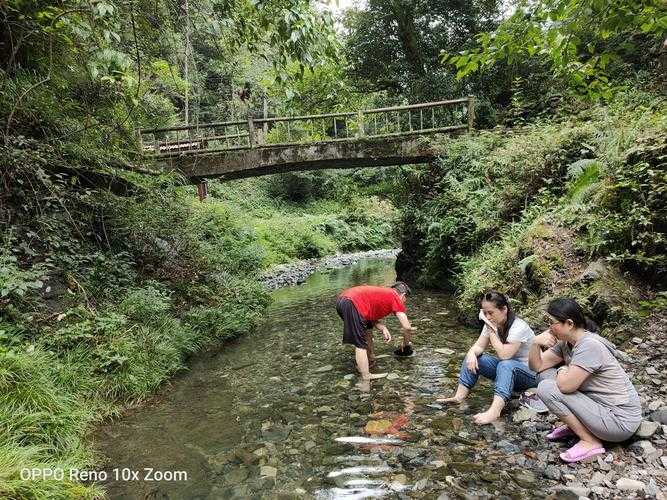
x: 361, y: 308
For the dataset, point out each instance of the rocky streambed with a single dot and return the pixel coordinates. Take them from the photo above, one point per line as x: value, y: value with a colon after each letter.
x: 297, y: 272
x: 278, y: 414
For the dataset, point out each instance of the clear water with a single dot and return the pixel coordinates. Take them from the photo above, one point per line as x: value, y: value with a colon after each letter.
x: 273, y: 415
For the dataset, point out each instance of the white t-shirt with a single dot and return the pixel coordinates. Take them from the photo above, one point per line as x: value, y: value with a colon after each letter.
x: 519, y: 332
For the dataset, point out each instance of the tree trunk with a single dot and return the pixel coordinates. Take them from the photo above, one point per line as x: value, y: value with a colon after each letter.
x: 403, y: 11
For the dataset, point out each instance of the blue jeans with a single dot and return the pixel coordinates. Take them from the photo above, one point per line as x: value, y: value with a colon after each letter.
x: 509, y: 375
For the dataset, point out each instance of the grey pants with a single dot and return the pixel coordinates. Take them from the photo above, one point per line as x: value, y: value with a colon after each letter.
x: 608, y: 423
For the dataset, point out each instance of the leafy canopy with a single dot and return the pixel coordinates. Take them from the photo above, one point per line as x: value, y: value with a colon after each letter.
x: 579, y: 39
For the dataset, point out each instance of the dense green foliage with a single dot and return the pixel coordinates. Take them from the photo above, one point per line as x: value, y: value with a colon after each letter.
x: 587, y: 44
x: 592, y: 187
x: 89, y: 73
x: 393, y: 46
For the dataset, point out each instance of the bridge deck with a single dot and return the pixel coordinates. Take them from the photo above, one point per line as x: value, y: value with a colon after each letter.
x: 376, y: 137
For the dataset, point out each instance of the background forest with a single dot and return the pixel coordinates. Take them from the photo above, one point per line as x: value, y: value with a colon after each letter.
x: 110, y: 278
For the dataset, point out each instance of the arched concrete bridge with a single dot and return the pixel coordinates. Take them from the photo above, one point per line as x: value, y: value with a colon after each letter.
x: 253, y: 147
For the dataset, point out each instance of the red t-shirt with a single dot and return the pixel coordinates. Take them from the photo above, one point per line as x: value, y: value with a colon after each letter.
x: 374, y: 302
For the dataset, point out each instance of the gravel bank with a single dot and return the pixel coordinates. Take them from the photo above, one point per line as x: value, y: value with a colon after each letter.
x: 295, y: 273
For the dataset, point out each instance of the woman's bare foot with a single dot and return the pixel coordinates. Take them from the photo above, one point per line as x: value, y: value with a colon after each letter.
x: 458, y: 397
x: 453, y: 399
x: 486, y: 417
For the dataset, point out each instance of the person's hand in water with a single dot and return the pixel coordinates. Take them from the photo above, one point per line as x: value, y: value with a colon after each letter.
x: 404, y: 350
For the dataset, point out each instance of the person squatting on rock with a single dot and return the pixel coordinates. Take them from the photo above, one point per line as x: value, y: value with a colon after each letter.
x: 590, y: 392
x: 511, y: 338
x: 363, y: 307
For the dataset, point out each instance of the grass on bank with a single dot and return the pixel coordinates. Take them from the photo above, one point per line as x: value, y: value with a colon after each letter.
x: 104, y: 294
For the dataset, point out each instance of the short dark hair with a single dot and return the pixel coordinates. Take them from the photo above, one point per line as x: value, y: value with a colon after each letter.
x: 402, y: 287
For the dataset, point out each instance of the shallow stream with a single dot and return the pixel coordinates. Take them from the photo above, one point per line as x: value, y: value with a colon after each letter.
x: 277, y: 414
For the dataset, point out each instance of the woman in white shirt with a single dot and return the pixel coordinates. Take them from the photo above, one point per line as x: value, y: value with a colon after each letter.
x: 511, y: 338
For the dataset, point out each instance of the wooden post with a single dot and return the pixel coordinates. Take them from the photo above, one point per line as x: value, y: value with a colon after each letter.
x: 360, y: 123
x: 471, y: 113
x: 202, y: 190
x: 251, y: 131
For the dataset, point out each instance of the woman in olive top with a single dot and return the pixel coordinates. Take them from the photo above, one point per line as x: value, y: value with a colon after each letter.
x: 590, y: 393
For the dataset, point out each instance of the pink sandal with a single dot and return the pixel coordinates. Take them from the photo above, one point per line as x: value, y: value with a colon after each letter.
x: 559, y: 433
x: 580, y: 454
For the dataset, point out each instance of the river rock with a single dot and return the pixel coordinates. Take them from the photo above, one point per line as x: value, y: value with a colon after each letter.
x: 651, y: 371
x: 444, y: 350
x: 246, y: 457
x: 325, y: 368
x: 593, y: 271
x: 410, y: 453
x: 573, y: 492
x: 597, y: 479
x: 237, y: 475
x: 647, y: 429
x: 378, y: 426
x: 644, y: 449
x: 523, y: 415
x: 524, y: 478
x: 507, y: 447
x: 604, y: 466
x: 218, y: 462
x: 659, y: 416
x: 309, y: 445
x: 393, y: 376
x: 268, y: 471
x: 651, y: 488
x: 654, y: 405
x: 627, y: 484
x: 400, y: 478
x: 420, y: 485
x: 552, y: 472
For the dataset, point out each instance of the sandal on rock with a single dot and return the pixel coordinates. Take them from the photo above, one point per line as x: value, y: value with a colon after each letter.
x: 559, y: 433
x: 580, y: 454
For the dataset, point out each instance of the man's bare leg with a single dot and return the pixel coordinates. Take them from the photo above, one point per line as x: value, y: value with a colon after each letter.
x: 369, y: 349
x: 361, y: 357
x: 461, y: 393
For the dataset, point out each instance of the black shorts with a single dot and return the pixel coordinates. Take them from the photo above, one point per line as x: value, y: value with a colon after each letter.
x: 354, y: 325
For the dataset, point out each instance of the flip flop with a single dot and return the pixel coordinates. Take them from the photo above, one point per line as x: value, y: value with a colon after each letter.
x: 559, y: 433
x: 579, y: 454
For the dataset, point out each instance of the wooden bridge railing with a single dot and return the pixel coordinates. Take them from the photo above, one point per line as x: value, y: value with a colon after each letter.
x: 397, y: 121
